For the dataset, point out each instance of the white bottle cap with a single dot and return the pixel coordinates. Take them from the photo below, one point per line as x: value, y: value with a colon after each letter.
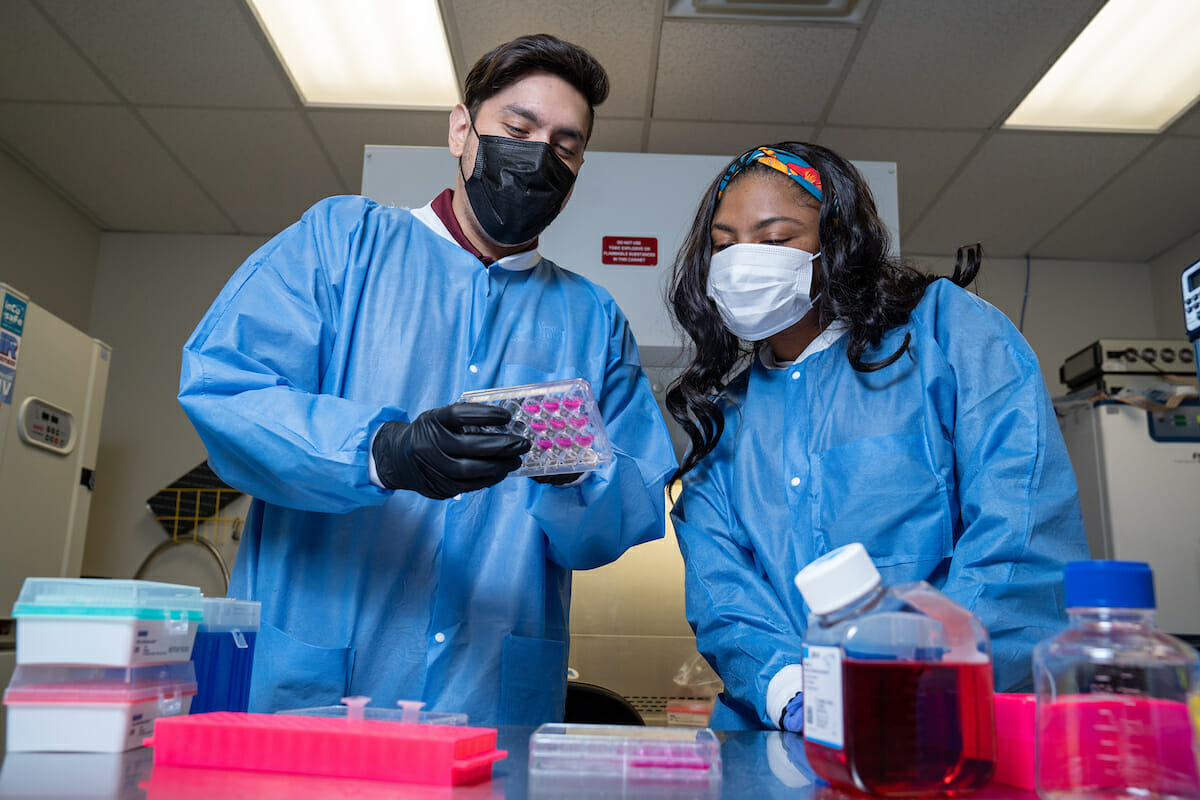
x: 837, y: 578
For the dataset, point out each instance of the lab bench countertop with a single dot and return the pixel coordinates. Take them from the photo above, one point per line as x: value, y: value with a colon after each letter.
x: 761, y: 765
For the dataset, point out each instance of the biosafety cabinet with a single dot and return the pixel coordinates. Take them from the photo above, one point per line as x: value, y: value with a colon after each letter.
x: 1139, y: 484
x: 52, y: 383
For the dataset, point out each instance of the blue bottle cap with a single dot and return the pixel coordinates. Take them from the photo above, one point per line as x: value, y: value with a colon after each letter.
x: 1109, y: 584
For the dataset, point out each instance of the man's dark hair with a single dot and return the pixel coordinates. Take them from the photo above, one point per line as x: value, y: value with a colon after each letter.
x: 512, y: 61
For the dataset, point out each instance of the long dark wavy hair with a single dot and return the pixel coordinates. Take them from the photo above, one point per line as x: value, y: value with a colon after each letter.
x: 862, y: 286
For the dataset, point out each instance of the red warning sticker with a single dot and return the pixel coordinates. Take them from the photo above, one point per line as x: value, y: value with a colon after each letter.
x: 634, y: 251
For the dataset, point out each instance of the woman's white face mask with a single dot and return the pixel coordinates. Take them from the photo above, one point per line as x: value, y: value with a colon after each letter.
x: 761, y: 289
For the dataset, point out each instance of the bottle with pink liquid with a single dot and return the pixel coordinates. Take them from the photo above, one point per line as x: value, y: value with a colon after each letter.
x: 1113, y: 692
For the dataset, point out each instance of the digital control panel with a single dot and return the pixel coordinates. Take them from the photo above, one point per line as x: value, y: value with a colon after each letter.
x: 1180, y: 424
x: 45, y: 425
x: 1191, y: 300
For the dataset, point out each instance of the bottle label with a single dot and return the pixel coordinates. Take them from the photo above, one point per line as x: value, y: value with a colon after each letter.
x: 823, y: 695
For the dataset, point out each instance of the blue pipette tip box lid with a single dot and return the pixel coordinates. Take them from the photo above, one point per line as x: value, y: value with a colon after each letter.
x: 1108, y: 584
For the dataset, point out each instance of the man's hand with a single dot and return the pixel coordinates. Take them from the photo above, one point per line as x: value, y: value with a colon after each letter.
x: 435, y: 456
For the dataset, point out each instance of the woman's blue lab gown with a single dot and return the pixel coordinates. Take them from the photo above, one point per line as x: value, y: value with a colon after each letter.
x: 359, y: 314
x: 948, y: 466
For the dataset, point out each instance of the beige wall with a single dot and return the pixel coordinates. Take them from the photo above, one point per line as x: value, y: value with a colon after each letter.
x: 1071, y: 303
x: 151, y: 290
x: 47, y: 248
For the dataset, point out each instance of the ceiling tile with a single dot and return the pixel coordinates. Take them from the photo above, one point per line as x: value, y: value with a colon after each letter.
x: 719, y: 138
x: 954, y: 63
x: 698, y: 81
x: 618, y: 135
x: 38, y: 64
x: 1017, y: 187
x: 106, y: 160
x: 1189, y: 124
x: 925, y: 160
x: 346, y: 132
x: 1147, y: 210
x: 621, y: 34
x: 177, y: 52
x: 263, y: 167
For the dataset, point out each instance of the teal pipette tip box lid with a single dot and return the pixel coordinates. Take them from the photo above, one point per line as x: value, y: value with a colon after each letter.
x: 105, y: 622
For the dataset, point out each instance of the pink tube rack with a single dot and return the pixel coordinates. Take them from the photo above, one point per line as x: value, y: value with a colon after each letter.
x: 400, y: 752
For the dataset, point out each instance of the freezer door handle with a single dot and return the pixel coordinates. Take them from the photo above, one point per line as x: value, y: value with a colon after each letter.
x: 87, y: 478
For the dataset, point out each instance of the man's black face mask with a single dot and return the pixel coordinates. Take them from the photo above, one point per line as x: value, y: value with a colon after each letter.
x: 517, y: 187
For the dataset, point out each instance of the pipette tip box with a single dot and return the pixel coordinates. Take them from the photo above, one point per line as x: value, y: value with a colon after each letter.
x: 82, y: 709
x: 379, y: 750
x: 119, y: 623
x: 632, y: 754
x: 561, y: 421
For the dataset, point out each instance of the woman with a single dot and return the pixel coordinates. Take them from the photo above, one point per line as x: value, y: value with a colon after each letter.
x: 837, y: 395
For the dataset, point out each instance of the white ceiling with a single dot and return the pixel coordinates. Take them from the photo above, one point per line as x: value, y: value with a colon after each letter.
x: 174, y: 115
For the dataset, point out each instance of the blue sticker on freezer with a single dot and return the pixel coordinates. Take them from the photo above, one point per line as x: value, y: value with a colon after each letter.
x: 10, y: 346
x: 13, y: 317
x: 7, y: 377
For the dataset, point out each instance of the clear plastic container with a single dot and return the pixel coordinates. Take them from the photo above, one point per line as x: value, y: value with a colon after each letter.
x: 223, y: 653
x: 561, y: 421
x: 118, y: 623
x: 1113, y: 693
x: 898, y: 696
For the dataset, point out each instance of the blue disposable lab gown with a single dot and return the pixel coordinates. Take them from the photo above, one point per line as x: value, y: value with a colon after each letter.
x: 359, y: 314
x: 948, y: 466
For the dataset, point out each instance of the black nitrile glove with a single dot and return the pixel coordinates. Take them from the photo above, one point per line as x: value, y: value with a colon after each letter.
x: 435, y: 456
x: 561, y: 479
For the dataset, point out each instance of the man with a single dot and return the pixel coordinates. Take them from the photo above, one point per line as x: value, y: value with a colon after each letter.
x: 391, y: 556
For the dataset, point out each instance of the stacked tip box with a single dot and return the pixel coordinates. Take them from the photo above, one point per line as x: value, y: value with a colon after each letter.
x: 561, y: 421
x: 98, y: 661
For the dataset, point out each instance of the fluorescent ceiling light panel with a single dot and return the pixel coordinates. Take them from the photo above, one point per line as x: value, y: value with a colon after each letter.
x: 1135, y: 68
x: 390, y: 53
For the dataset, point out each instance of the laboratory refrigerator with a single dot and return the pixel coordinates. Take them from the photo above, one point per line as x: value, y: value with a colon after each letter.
x: 52, y: 383
x: 1139, y: 485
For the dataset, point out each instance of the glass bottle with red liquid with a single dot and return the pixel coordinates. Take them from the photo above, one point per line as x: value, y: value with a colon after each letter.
x: 897, y: 683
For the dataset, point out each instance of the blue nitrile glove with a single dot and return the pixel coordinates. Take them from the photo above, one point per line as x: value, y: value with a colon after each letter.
x: 442, y: 453
x: 793, y: 714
